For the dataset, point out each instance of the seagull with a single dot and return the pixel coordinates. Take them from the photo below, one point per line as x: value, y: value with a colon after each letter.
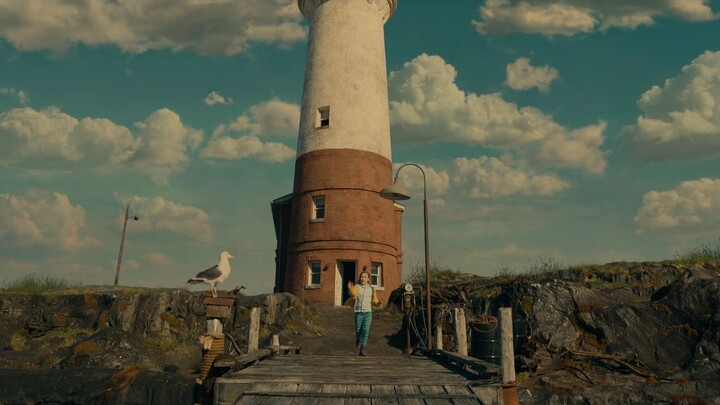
x: 215, y: 274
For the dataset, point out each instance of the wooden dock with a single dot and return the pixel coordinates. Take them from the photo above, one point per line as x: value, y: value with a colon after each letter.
x: 315, y: 379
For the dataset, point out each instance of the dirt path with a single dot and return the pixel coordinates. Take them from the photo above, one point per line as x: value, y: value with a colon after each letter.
x: 337, y: 335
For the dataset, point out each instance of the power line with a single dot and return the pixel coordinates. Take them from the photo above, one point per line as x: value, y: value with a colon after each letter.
x: 141, y: 217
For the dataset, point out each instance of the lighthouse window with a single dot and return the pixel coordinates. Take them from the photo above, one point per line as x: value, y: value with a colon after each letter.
x: 318, y: 213
x: 314, y: 273
x: 323, y: 117
x: 376, y: 274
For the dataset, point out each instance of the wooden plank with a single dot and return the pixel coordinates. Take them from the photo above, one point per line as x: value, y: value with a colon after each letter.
x: 478, y: 365
x: 408, y: 389
x: 242, y: 361
x: 361, y: 389
x: 434, y: 389
x: 460, y: 331
x: 462, y: 390
x: 254, y: 329
x: 306, y: 389
x: 438, y: 343
x: 381, y: 390
x: 332, y: 389
x: 507, y: 353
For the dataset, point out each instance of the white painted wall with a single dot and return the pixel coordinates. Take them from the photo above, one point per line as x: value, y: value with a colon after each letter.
x: 346, y: 71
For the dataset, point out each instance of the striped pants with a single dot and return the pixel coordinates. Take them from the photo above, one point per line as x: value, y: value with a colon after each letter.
x: 362, y: 326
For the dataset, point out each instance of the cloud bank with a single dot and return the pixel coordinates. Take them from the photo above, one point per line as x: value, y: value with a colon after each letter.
x: 50, y: 139
x: 40, y: 218
x: 137, y: 26
x: 571, y: 17
x: 681, y: 119
x: 241, y: 138
x: 691, y: 205
x: 156, y: 213
x: 521, y: 75
x: 426, y: 105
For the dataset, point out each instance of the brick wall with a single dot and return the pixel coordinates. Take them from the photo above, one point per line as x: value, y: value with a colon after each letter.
x: 359, y: 225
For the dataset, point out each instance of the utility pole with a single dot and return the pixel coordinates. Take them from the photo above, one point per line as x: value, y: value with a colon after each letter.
x: 122, y: 244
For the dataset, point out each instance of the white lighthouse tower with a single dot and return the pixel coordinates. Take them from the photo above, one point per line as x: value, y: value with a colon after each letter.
x: 335, y: 224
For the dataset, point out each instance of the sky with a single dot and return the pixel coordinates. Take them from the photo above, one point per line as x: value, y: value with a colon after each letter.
x: 582, y: 132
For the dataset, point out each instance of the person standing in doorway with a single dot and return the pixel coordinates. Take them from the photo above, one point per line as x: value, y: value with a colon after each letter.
x: 365, y: 298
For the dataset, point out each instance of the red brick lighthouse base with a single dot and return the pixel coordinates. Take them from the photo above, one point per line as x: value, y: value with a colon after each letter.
x: 342, y: 226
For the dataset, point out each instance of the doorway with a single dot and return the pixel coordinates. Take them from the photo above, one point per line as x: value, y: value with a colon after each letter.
x: 346, y: 271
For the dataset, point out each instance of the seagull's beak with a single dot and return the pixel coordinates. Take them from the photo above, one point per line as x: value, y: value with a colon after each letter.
x: 231, y: 257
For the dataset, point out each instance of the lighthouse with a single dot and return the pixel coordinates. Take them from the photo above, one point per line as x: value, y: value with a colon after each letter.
x: 334, y: 224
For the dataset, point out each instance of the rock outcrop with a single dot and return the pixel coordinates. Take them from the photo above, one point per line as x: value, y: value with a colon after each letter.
x: 637, y: 333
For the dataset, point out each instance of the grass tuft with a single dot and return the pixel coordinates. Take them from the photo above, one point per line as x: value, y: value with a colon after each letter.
x: 37, y: 283
x: 702, y: 252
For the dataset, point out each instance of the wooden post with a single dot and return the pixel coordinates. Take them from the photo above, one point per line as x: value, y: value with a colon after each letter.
x: 460, y: 331
x: 254, y: 330
x: 507, y: 352
x: 275, y: 341
x: 438, y: 336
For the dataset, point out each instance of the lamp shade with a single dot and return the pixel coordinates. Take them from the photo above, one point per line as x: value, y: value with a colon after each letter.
x: 395, y: 192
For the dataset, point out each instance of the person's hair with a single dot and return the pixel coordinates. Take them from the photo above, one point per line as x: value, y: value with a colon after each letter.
x: 361, y: 273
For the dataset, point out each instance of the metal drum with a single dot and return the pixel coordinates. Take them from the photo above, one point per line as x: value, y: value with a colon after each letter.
x: 485, y: 342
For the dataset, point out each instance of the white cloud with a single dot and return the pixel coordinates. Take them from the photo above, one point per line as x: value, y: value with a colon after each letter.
x: 692, y: 204
x: 488, y: 177
x: 484, y: 177
x: 215, y: 98
x: 136, y: 26
x: 681, y: 119
x: 19, y: 93
x: 521, y: 75
x: 570, y: 17
x: 158, y: 215
x: 165, y: 144
x: 273, y: 117
x: 43, y: 218
x: 426, y: 105
x: 157, y: 258
x: 51, y: 139
x: 438, y: 183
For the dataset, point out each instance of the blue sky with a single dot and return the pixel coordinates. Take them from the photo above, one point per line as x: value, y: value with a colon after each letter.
x: 582, y: 131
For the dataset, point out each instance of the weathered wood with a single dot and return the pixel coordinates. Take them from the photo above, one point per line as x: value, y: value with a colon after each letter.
x: 507, y: 352
x: 462, y: 390
x: 460, y: 331
x: 315, y: 380
x: 240, y: 362
x: 408, y: 395
x: 438, y: 336
x: 217, y: 311
x: 275, y: 341
x: 480, y: 366
x: 254, y: 329
x: 383, y: 394
x: 222, y: 301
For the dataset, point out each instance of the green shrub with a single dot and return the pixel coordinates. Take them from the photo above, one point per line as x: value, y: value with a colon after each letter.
x: 37, y: 283
x: 702, y: 252
x: 544, y: 265
x: 438, y: 271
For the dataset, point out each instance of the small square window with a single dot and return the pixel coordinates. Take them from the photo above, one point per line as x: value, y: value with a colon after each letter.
x: 323, y: 117
x: 314, y: 273
x: 318, y: 212
x: 376, y: 274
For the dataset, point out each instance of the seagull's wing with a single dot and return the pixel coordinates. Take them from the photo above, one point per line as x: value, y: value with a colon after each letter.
x: 210, y: 274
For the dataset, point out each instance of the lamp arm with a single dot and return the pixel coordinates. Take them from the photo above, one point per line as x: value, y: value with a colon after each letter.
x: 397, y: 173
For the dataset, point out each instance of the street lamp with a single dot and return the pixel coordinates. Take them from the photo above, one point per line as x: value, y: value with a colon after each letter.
x: 397, y: 192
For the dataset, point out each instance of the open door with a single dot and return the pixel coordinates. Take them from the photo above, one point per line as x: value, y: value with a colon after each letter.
x: 345, y: 271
